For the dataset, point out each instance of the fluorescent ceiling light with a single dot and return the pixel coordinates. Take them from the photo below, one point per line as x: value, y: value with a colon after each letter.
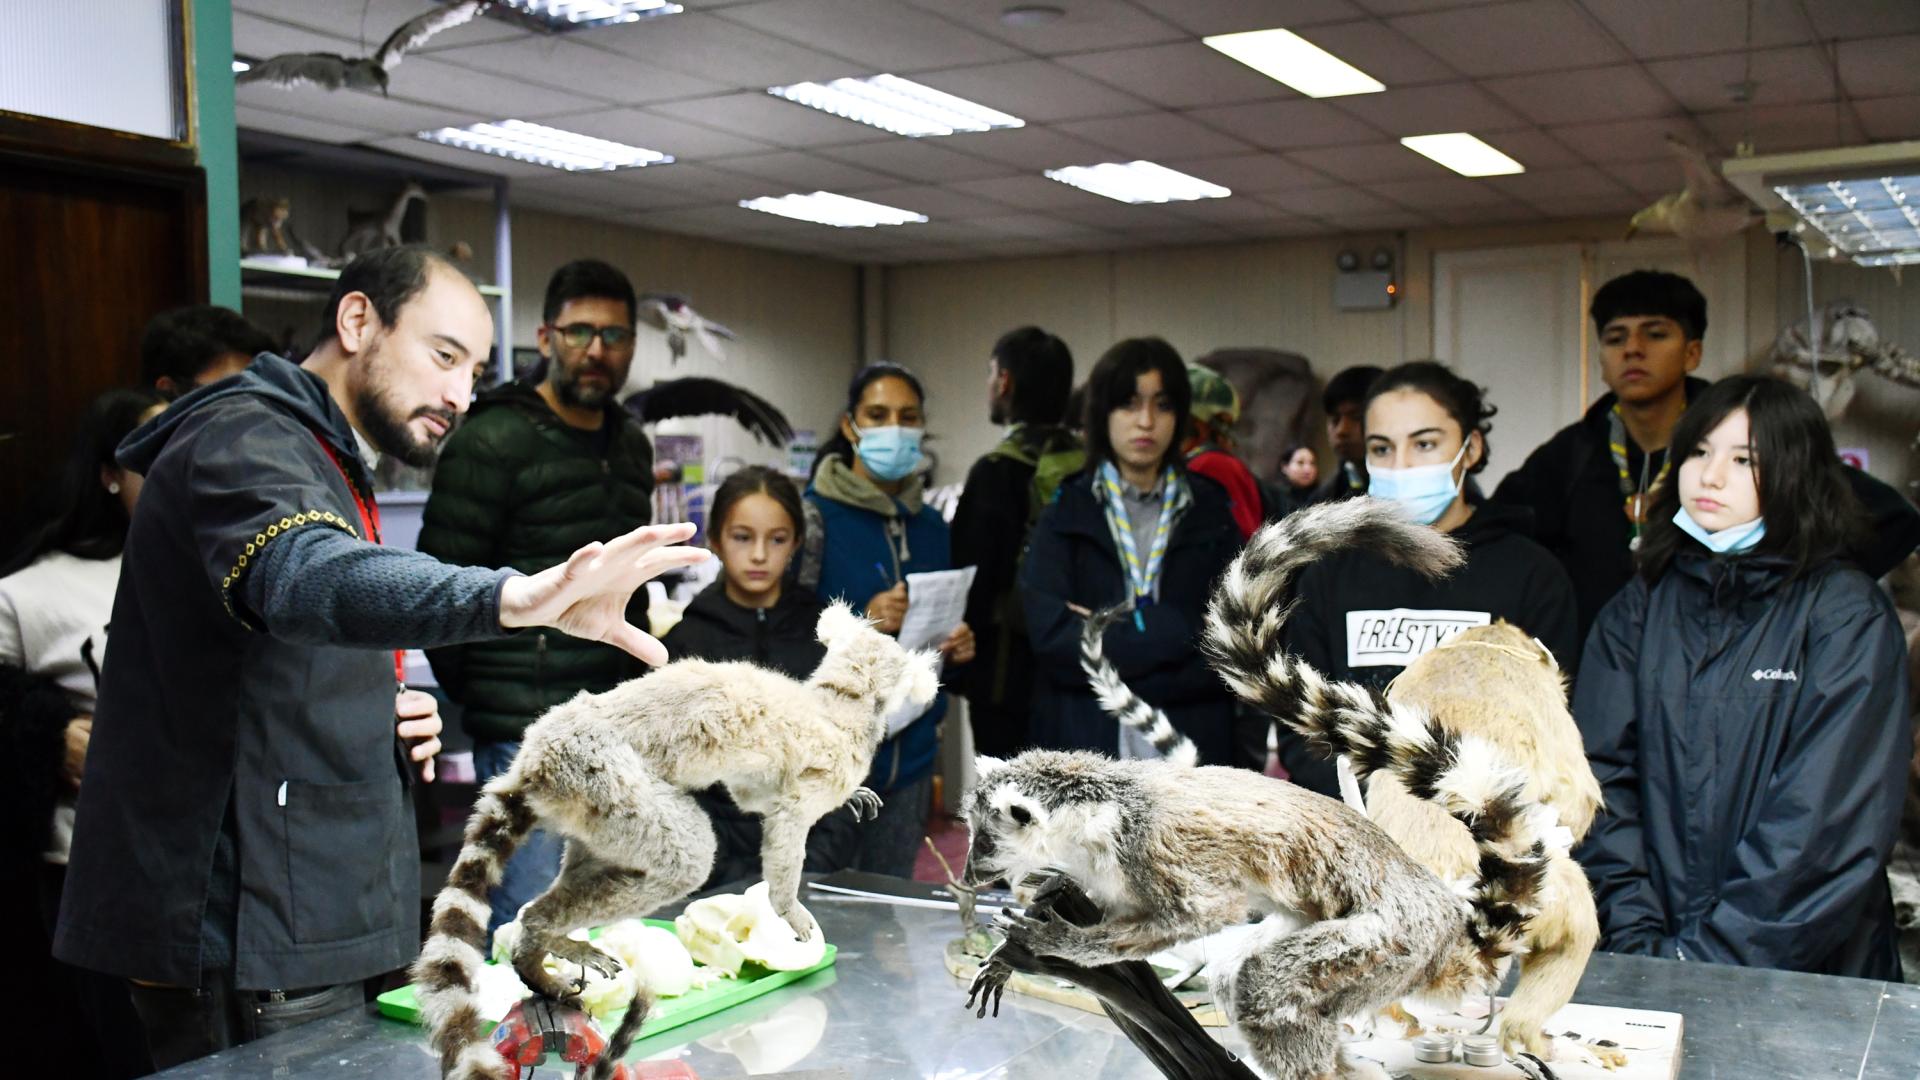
x: 542, y: 145
x: 1289, y: 58
x: 1138, y: 182
x: 240, y: 66
x: 1873, y: 221
x: 901, y: 106
x: 826, y: 208
x: 1464, y: 154
x: 581, y: 14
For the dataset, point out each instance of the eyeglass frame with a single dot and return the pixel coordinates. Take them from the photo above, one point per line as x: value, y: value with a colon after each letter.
x: 595, y: 332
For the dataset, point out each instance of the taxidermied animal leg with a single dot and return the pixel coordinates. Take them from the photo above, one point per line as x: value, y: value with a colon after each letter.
x: 1552, y: 968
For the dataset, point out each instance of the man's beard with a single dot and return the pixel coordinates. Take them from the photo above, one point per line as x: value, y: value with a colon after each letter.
x: 389, y: 432
x: 567, y: 387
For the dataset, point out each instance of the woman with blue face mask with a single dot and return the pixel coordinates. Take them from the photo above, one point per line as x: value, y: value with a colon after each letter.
x: 867, y: 528
x: 1364, y: 619
x: 1743, y: 702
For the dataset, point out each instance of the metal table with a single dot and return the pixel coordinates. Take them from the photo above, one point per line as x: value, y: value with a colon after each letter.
x: 888, y: 1010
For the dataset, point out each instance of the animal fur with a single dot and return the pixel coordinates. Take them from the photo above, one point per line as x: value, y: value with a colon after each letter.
x: 612, y: 773
x: 1173, y: 853
x: 1498, y: 683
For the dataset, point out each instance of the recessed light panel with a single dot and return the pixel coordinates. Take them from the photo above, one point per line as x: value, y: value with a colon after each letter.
x: 542, y: 145
x: 581, y: 14
x: 901, y: 106
x: 1873, y: 221
x: 826, y: 208
x: 1287, y: 57
x: 1138, y: 182
x: 1464, y: 154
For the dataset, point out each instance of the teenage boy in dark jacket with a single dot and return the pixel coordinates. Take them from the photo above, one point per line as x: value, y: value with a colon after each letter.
x: 1590, y: 484
x: 1345, y: 402
x: 535, y: 472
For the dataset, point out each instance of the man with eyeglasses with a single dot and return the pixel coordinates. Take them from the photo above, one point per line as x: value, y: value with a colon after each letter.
x: 535, y: 472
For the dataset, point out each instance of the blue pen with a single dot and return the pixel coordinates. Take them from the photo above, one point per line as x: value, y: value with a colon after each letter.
x: 881, y: 569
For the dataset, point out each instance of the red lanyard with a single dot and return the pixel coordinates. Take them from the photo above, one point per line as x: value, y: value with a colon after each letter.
x: 369, y: 512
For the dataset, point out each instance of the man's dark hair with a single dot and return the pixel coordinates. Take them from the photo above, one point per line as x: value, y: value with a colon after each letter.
x: 1651, y: 292
x: 1349, y: 385
x: 1042, y: 370
x: 1462, y: 398
x: 584, y: 278
x: 181, y: 344
x: 1111, y: 385
x: 389, y: 276
x: 1812, y: 514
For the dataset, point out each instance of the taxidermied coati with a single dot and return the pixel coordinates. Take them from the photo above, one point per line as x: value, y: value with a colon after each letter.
x: 613, y: 773
x: 1172, y: 853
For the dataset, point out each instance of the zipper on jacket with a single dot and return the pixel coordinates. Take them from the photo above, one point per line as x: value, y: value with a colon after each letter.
x: 760, y: 635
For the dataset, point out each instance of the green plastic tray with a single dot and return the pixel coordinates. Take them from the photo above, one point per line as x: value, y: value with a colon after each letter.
x: 667, y: 1012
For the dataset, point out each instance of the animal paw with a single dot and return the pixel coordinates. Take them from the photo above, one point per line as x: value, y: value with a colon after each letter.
x: 864, y: 805
x: 1518, y: 1034
x: 799, y: 918
x: 989, y: 984
x: 1045, y: 934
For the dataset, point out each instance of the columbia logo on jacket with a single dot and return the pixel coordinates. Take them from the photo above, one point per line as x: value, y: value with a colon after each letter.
x: 1776, y: 674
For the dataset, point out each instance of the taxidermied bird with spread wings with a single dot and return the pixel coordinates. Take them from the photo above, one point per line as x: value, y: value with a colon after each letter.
x: 333, y: 71
x: 672, y: 313
x: 1706, y: 210
x: 709, y: 397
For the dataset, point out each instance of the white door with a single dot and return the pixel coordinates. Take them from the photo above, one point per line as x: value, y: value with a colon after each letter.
x: 1512, y: 320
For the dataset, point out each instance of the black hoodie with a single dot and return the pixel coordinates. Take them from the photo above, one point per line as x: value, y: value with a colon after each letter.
x: 1360, y: 619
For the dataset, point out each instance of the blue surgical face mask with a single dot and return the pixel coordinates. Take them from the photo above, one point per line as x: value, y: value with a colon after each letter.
x: 1423, y: 491
x: 1732, y: 540
x: 889, y: 453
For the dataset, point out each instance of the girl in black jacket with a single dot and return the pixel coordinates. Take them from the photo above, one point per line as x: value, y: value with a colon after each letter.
x: 1364, y: 620
x: 1137, y: 528
x: 1743, y: 702
x: 752, y: 613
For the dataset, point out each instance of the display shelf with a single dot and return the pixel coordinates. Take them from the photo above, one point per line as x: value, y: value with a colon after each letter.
x: 278, y: 281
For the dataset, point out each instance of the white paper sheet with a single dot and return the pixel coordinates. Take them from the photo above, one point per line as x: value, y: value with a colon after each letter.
x: 936, y: 604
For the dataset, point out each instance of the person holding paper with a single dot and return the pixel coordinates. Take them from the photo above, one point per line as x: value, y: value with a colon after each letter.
x: 1135, y: 527
x: 867, y: 528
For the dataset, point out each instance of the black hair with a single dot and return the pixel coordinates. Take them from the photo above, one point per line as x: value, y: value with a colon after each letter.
x: 758, y: 480
x: 838, y: 445
x: 583, y: 278
x: 1042, y: 370
x: 1651, y: 292
x: 1348, y: 385
x: 1110, y: 385
x: 1463, y: 400
x: 181, y: 344
x: 390, y: 277
x: 1811, y: 512
x: 1076, y: 414
x: 88, y: 521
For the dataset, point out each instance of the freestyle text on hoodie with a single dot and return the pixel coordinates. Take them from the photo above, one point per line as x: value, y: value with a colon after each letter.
x: 1360, y: 619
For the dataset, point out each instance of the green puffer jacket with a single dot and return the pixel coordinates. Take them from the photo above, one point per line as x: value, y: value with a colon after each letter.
x: 516, y: 486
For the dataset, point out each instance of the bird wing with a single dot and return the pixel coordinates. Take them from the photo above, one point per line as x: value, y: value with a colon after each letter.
x: 1703, y: 179
x: 709, y: 326
x: 697, y: 396
x: 653, y: 310
x: 297, y: 69
x: 415, y: 31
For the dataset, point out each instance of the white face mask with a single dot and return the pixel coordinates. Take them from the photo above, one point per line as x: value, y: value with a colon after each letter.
x: 1423, y: 491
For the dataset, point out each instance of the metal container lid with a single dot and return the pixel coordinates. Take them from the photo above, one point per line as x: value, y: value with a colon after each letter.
x: 1482, y: 1050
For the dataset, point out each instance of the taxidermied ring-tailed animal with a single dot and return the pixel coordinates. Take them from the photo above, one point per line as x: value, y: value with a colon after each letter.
x: 1172, y: 852
x: 613, y: 774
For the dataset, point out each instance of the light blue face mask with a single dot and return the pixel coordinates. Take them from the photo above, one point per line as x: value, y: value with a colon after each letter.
x: 1732, y: 540
x: 1423, y: 491
x: 889, y: 453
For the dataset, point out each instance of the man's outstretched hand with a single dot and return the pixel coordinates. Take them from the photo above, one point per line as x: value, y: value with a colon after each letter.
x: 587, y: 595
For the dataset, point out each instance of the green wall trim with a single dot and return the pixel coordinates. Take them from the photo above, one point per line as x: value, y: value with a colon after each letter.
x: 219, y: 159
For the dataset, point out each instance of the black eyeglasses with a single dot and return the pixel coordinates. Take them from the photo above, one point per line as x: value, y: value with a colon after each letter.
x: 580, y: 336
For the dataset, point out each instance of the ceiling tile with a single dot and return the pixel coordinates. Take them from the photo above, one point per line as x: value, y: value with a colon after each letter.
x: 591, y: 194
x: 1172, y: 236
x: 883, y: 33
x: 1028, y: 225
x: 1780, y: 76
x: 770, y: 119
x: 1321, y: 202
x: 1782, y: 129
x: 712, y: 47
x: 1531, y: 147
x: 1408, y: 7
x: 1383, y: 221
x: 365, y: 25
x: 687, y: 184
x: 408, y: 146
x: 1155, y: 136
x: 1233, y: 210
x: 1428, y: 109
x: 1371, y: 163
x: 1038, y: 91
x: 939, y: 203
x: 1584, y: 96
x: 735, y: 222
x: 260, y: 38
x: 1031, y: 147
x: 1891, y: 117
x: 637, y: 127
x: 1025, y: 192
x: 1250, y: 172
x: 1231, y: 16
x: 1628, y: 140
x: 1083, y: 25
x: 1558, y: 184
x: 1656, y: 30
x: 1623, y: 206
x: 1881, y: 66
x: 246, y: 116
x: 436, y: 82
x: 354, y: 109
x: 1503, y: 214
x: 1178, y: 76
x: 594, y: 74
x: 1503, y: 39
x: 1285, y: 125
x: 1101, y: 213
x: 1864, y: 18
x: 1382, y: 52
x: 794, y: 170
x: 1645, y: 178
x: 917, y: 159
x: 1446, y: 191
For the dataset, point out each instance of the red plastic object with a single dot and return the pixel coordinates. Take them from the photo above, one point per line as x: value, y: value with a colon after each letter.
x: 535, y: 1028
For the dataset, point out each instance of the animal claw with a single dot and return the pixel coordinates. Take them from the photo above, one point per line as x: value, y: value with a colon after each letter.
x: 864, y: 805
